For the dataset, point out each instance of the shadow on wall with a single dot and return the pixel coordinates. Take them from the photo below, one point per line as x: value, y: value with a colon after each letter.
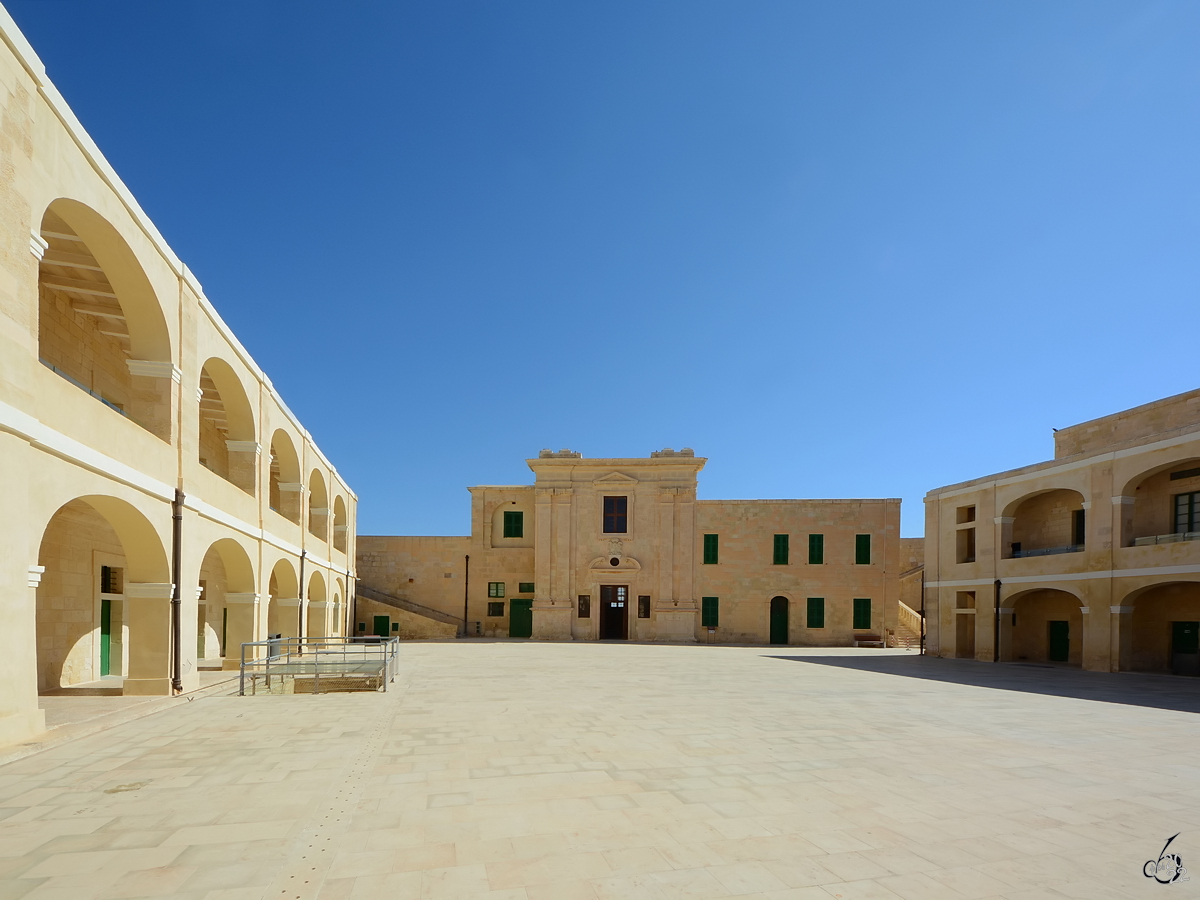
x: 1177, y: 693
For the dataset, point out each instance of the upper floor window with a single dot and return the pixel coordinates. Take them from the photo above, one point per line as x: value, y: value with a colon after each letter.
x: 616, y: 515
x: 780, y: 555
x: 514, y: 524
x: 712, y: 543
x: 495, y: 588
x: 1187, y: 512
x: 816, y: 549
x: 862, y: 549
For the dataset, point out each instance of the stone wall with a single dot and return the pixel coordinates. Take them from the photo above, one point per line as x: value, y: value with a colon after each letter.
x: 403, y: 624
x: 1168, y: 414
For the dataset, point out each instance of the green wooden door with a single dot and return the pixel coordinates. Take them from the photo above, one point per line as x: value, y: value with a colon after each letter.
x: 1060, y: 641
x: 520, y: 618
x: 1185, y: 648
x: 105, y: 636
x: 779, y: 620
x: 383, y: 626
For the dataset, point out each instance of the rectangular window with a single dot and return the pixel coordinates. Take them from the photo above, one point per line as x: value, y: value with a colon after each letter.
x: 862, y: 612
x: 525, y: 587
x: 862, y: 549
x: 708, y: 611
x: 964, y: 514
x: 780, y: 550
x: 965, y: 552
x: 1079, y: 527
x: 816, y: 612
x: 816, y: 549
x: 395, y: 626
x: 643, y: 606
x: 1187, y: 512
x: 711, y: 543
x: 616, y: 515
x: 495, y: 588
x: 585, y: 606
x: 496, y: 609
x: 514, y: 523
x: 111, y: 578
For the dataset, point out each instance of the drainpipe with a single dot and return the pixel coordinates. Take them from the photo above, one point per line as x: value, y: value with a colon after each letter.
x: 349, y: 611
x: 996, y: 627
x: 921, y: 624
x: 176, y: 594
x: 466, y: 587
x: 300, y: 605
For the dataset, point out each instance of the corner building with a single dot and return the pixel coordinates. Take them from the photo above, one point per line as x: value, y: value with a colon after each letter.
x: 1091, y: 559
x: 162, y: 503
x: 621, y: 549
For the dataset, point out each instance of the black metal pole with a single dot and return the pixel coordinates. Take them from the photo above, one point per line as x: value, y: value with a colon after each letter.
x: 176, y: 592
x: 921, y: 625
x: 996, y: 626
x: 466, y: 588
x: 300, y: 605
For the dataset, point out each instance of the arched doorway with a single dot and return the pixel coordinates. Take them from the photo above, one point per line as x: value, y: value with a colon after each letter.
x: 284, y: 487
x: 105, y: 591
x: 225, y: 610
x: 318, y: 607
x: 779, y: 620
x: 283, y: 614
x: 1164, y: 630
x: 1046, y: 626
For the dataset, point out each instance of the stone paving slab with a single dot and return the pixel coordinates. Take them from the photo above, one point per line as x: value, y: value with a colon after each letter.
x: 522, y: 771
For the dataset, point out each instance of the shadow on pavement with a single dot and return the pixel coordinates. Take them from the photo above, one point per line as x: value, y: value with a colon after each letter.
x: 1177, y: 693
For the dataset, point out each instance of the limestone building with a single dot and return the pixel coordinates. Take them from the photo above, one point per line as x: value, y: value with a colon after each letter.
x: 161, y: 503
x: 623, y: 549
x: 1090, y: 559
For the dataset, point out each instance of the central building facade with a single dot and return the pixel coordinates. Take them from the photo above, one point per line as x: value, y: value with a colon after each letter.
x: 622, y: 549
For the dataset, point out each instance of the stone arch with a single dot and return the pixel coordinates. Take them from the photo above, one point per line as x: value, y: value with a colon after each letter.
x: 285, y: 486
x: 318, y: 506
x: 227, y: 443
x: 1032, y: 635
x: 1147, y: 625
x: 340, y: 526
x: 337, y: 612
x: 1044, y: 523
x: 226, y: 598
x: 283, y: 600
x: 1152, y: 516
x: 106, y: 577
x: 318, y: 606
x: 100, y: 323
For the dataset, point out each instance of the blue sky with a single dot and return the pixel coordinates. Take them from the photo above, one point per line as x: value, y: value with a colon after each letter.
x: 843, y: 249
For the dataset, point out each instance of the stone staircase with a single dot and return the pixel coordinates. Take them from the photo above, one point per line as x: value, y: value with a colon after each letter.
x: 417, y: 609
x: 908, y: 629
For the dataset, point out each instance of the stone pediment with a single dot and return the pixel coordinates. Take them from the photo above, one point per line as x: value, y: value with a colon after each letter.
x: 615, y: 479
x: 624, y: 564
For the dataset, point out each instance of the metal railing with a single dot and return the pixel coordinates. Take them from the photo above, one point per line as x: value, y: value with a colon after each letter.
x: 1167, y: 538
x: 310, y: 665
x: 1048, y: 551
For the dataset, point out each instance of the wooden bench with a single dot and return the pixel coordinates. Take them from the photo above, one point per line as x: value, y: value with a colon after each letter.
x: 868, y: 640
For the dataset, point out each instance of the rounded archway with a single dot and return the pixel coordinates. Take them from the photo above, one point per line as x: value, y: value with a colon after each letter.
x: 99, y: 553
x: 100, y: 324
x: 1045, y: 524
x: 1047, y: 626
x: 318, y: 607
x: 224, y: 610
x: 284, y: 483
x: 283, y: 601
x: 339, y: 524
x: 226, y: 425
x: 1166, y: 505
x: 318, y: 506
x: 1164, y: 627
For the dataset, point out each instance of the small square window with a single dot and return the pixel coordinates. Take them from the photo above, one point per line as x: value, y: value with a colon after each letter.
x: 362, y: 626
x: 395, y: 626
x: 496, y: 609
x: 525, y: 587
x: 495, y: 588
x: 514, y: 523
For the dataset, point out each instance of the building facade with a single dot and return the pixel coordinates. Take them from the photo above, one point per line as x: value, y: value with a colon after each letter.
x: 1091, y: 559
x: 623, y: 549
x: 162, y: 504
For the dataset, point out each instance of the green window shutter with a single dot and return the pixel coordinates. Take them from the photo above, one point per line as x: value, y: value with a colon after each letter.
x: 862, y: 612
x: 862, y: 549
x: 514, y: 524
x: 816, y: 612
x: 816, y: 549
x: 708, y: 610
x: 710, y: 549
x: 781, y: 549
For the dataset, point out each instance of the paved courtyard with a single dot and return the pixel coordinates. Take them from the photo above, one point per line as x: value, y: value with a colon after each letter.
x: 523, y: 771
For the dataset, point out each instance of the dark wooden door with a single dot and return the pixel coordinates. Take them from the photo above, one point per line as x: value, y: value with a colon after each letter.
x: 105, y: 637
x: 614, y: 612
x: 779, y: 620
x: 1185, y: 648
x: 520, y: 618
x: 383, y: 626
x: 1059, y: 640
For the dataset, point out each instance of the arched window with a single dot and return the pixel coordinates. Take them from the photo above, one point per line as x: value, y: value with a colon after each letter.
x: 339, y: 524
x: 226, y: 445
x: 318, y: 506
x: 285, y: 487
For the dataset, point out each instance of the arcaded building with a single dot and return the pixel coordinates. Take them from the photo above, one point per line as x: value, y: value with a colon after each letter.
x: 622, y: 549
x: 162, y: 503
x: 1091, y: 559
